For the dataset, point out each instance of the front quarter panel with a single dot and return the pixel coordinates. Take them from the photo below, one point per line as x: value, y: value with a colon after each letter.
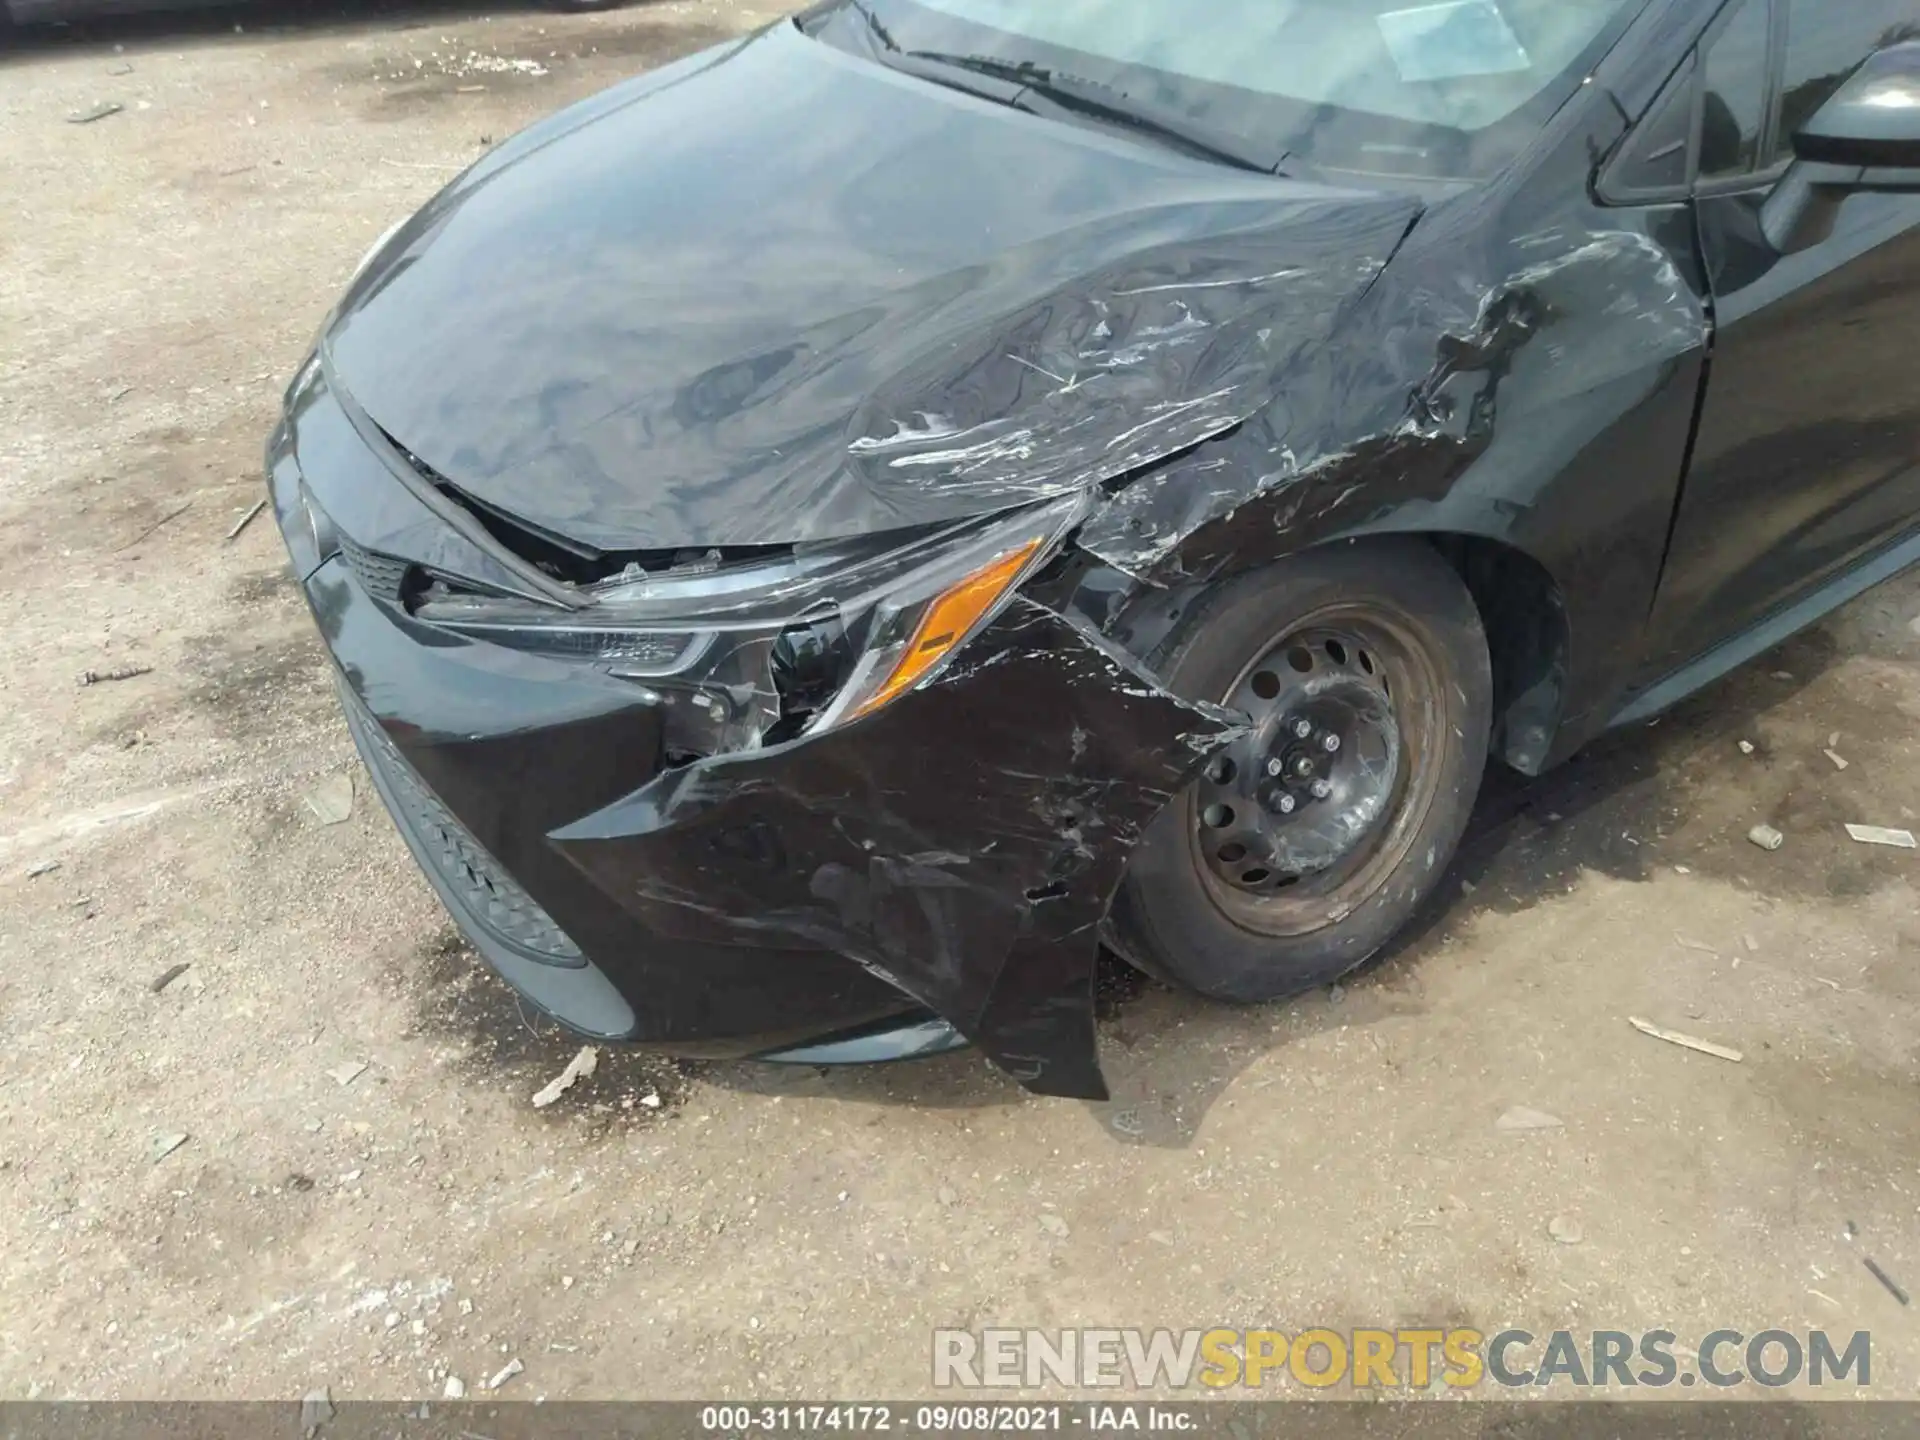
x: 963, y: 842
x: 1525, y: 371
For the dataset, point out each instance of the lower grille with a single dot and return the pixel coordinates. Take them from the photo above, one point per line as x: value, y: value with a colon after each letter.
x: 381, y: 576
x: 489, y: 896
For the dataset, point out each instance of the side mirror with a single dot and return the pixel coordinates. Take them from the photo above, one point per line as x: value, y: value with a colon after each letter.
x: 1865, y: 138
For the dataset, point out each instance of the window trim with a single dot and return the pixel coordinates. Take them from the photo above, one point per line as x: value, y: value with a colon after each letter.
x: 1692, y: 70
x: 1770, y: 101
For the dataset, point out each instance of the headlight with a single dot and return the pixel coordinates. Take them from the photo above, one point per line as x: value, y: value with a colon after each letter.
x: 766, y: 649
x: 917, y: 628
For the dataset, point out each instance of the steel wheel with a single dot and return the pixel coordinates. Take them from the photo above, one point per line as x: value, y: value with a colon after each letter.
x: 1303, y: 820
x: 1305, y: 846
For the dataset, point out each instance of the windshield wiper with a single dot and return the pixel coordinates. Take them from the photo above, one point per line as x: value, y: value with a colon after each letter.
x: 1021, y: 83
x: 1079, y: 95
x: 934, y: 68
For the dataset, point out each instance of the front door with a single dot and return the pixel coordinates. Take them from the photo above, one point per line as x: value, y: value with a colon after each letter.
x: 1807, y: 456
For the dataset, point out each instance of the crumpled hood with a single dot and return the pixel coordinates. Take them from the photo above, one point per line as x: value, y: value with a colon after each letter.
x: 779, y: 293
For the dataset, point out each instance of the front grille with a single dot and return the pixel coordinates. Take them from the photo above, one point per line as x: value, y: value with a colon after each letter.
x: 381, y: 576
x: 490, y: 897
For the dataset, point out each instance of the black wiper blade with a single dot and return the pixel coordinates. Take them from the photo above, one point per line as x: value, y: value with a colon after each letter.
x: 1089, y: 97
x: 875, y: 26
x: 934, y: 68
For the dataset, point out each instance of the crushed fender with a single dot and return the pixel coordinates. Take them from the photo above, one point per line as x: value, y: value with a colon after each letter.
x: 987, y: 913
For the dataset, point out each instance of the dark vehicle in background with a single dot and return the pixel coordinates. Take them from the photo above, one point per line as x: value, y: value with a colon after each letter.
x: 818, y: 537
x: 28, y: 11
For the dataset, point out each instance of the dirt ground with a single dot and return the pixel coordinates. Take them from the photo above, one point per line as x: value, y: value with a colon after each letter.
x: 670, y: 1231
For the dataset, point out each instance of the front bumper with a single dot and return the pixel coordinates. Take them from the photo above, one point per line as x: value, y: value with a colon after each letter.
x: 940, y: 867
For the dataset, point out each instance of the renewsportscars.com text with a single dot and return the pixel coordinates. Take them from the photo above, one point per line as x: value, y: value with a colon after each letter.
x: 1397, y: 1359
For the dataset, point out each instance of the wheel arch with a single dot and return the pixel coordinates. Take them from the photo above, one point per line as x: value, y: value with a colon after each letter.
x: 1529, y: 642
x: 1522, y: 610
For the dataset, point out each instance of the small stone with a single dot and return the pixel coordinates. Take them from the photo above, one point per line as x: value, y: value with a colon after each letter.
x: 466, y: 1307
x: 947, y: 1195
x: 454, y: 1389
x: 582, y: 1065
x: 1160, y: 1237
x: 1054, y: 1226
x: 347, y: 1073
x: 651, y: 1100
x: 1519, y: 1117
x: 1746, y: 747
x: 331, y: 801
x: 1566, y: 1230
x: 165, y: 1145
x: 419, y: 1328
x: 1766, y: 837
x: 393, y: 1319
x: 1753, y: 945
x: 42, y: 867
x: 566, y: 1282
x: 1336, y: 994
x: 1839, y: 762
x: 631, y: 1248
x: 316, y: 1409
x: 506, y: 1372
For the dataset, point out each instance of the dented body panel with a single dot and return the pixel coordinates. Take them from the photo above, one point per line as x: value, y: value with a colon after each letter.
x: 679, y: 321
x: 986, y: 310
x: 1525, y: 373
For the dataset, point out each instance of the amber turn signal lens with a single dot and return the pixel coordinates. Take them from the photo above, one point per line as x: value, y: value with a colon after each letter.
x: 953, y: 613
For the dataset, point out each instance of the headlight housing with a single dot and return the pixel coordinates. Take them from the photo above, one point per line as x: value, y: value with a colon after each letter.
x: 762, y: 651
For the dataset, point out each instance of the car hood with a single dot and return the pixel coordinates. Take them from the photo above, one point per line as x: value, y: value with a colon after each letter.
x: 780, y: 293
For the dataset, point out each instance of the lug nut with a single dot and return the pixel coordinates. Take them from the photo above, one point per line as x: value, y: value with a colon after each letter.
x: 1302, y: 729
x: 1321, y: 789
x: 1278, y: 798
x: 1275, y: 769
x: 1330, y: 743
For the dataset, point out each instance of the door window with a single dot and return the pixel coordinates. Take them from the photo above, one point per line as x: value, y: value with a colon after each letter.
x: 1733, y: 122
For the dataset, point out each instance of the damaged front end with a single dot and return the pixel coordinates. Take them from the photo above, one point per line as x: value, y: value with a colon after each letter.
x: 885, y: 750
x: 727, y: 802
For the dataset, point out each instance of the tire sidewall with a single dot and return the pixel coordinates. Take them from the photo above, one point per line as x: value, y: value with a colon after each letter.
x: 1165, y: 918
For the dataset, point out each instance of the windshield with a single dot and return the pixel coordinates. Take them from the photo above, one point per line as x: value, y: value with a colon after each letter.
x: 1451, y: 89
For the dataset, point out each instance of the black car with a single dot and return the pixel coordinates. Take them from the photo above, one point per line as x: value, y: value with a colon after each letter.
x: 819, y: 537
x: 27, y: 11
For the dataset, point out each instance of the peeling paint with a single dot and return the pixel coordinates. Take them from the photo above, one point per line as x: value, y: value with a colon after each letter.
x: 813, y: 841
x: 1212, y: 370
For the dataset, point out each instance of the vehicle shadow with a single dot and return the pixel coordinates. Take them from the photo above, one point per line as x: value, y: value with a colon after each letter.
x: 211, y: 23
x: 1614, y: 809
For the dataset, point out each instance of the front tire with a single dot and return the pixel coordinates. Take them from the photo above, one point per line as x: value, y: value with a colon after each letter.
x: 1304, y: 848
